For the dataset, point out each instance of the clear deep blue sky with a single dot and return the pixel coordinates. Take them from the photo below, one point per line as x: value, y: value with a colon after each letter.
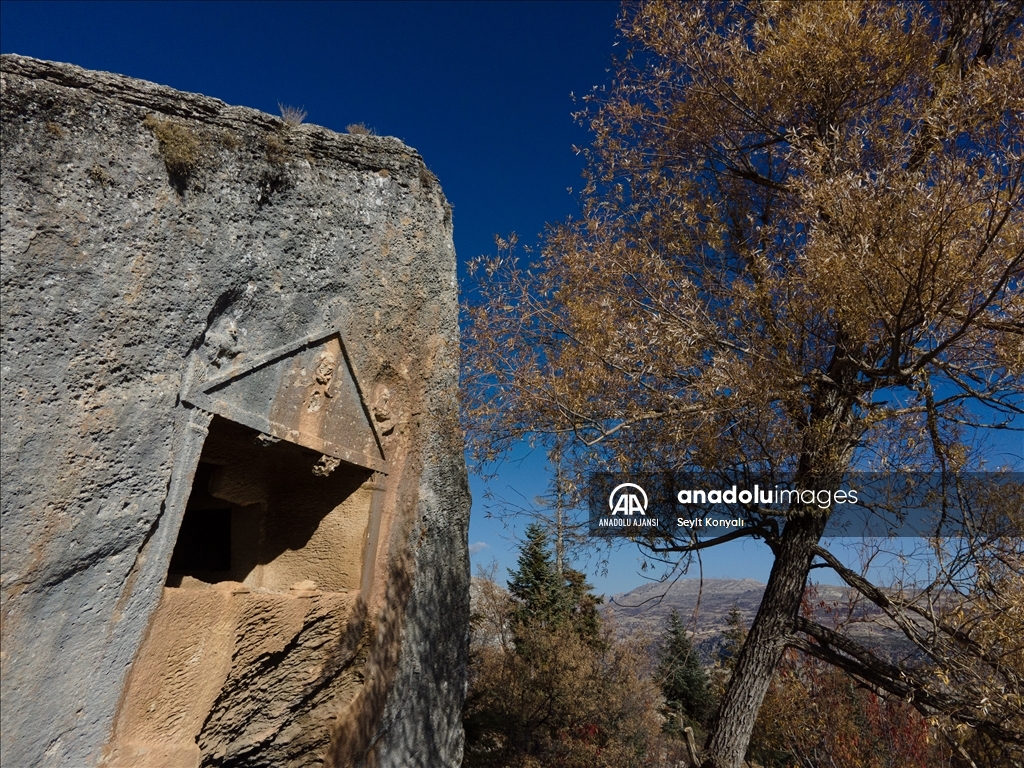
x: 481, y: 90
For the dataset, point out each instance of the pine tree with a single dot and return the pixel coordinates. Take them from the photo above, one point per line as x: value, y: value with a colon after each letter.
x: 546, y: 694
x: 548, y: 599
x: 734, y: 636
x: 683, y: 679
x: 586, y: 621
x: 535, y: 585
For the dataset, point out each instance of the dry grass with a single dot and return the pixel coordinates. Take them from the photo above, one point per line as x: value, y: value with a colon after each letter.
x: 98, y: 174
x: 292, y: 116
x: 274, y: 177
x: 180, y: 148
x: 359, y: 129
x: 230, y: 140
x: 276, y: 150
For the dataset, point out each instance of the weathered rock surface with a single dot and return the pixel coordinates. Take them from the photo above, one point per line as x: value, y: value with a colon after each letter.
x: 235, y: 342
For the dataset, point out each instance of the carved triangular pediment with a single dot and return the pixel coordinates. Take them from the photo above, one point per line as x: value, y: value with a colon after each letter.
x: 305, y: 392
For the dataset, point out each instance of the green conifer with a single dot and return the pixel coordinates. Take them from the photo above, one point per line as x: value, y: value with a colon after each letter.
x: 549, y: 600
x: 684, y: 682
x: 734, y: 637
x: 534, y: 584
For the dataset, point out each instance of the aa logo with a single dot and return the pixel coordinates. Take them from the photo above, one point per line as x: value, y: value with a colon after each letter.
x: 628, y: 498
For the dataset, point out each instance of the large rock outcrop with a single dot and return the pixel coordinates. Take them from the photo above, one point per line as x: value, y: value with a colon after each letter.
x: 234, y: 498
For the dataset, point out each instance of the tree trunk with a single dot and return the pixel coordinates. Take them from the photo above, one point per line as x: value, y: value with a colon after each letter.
x: 726, y: 746
x: 691, y: 747
x: 555, y: 457
x: 826, y: 453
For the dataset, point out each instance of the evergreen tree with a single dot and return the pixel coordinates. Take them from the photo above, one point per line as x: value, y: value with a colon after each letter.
x: 548, y: 695
x: 544, y: 598
x: 586, y: 621
x: 539, y: 596
x: 683, y: 679
x: 734, y: 636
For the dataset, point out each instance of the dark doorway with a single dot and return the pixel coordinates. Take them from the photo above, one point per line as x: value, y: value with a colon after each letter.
x: 204, y: 544
x: 262, y: 512
x: 204, y: 541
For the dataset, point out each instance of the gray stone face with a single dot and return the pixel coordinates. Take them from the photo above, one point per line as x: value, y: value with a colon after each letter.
x: 154, y: 242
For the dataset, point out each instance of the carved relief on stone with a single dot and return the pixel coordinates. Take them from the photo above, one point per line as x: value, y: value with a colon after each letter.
x: 305, y: 392
x: 275, y: 546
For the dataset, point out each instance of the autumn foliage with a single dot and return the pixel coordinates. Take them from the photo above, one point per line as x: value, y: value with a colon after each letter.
x: 549, y: 684
x: 800, y: 252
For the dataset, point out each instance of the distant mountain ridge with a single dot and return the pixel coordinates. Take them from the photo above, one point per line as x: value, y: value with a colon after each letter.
x: 704, y: 606
x: 646, y: 610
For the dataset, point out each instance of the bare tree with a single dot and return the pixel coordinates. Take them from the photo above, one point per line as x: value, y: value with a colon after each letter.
x: 801, y: 250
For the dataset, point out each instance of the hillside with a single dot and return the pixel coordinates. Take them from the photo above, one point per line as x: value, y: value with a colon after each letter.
x: 705, y: 606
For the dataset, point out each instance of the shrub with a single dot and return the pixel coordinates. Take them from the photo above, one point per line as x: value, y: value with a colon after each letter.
x: 359, y: 129
x: 815, y: 715
x: 180, y: 148
x: 292, y: 116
